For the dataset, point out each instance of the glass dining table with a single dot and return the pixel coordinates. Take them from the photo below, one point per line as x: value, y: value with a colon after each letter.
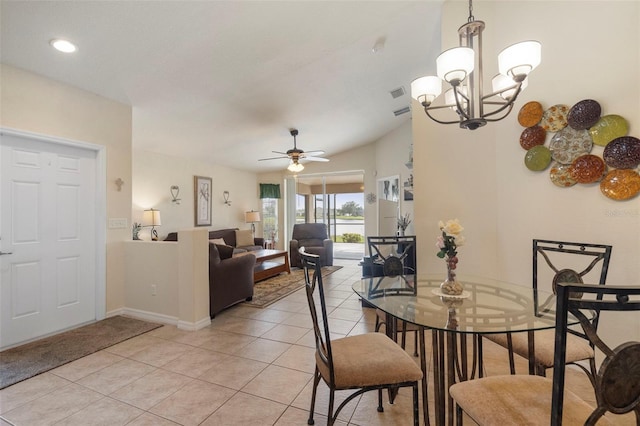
x: 486, y: 306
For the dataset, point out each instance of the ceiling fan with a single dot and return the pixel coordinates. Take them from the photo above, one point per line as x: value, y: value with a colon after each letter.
x: 295, y: 155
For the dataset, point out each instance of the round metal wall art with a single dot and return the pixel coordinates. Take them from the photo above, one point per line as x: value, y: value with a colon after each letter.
x: 575, y: 132
x: 584, y: 114
x: 622, y: 153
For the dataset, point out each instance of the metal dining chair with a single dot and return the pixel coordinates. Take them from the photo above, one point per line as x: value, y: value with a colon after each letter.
x: 578, y: 260
x: 536, y: 400
x: 392, y: 256
x: 362, y: 363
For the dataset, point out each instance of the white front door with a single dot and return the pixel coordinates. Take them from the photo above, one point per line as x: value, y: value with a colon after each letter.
x: 47, y: 238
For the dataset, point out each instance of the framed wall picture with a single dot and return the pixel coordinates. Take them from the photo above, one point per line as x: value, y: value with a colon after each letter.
x: 202, y: 198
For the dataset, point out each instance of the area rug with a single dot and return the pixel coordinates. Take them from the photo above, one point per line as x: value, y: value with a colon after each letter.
x: 28, y: 360
x: 269, y: 291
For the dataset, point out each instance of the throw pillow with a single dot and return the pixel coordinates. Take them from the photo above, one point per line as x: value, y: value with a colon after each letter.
x: 226, y: 252
x: 244, y: 238
x: 218, y: 241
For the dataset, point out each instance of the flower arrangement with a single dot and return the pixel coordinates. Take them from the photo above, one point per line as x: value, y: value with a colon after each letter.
x: 404, y: 221
x: 448, y: 244
x: 450, y: 239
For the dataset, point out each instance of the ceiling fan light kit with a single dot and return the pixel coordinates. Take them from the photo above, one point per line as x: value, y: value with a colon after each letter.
x: 461, y: 67
x: 295, y: 155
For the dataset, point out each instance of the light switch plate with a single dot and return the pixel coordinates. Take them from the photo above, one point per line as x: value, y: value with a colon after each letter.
x: 117, y: 223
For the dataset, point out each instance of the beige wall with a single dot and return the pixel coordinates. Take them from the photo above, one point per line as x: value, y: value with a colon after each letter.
x: 36, y: 104
x: 154, y: 174
x: 590, y: 51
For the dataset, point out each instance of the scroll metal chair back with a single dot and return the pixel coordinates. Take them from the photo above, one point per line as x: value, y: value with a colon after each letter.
x: 395, y: 254
x: 363, y: 362
x: 554, y: 262
x: 537, y: 400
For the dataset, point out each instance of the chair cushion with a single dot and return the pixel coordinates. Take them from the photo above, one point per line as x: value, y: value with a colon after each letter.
x: 367, y: 360
x: 517, y: 400
x: 244, y: 238
x: 577, y: 348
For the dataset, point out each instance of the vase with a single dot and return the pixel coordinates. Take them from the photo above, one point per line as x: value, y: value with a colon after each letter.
x: 451, y: 285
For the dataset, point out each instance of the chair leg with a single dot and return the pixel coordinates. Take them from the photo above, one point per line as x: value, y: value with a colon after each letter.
x: 330, y: 419
x: 316, y: 381
x: 380, y: 407
x: 416, y: 408
x: 512, y: 361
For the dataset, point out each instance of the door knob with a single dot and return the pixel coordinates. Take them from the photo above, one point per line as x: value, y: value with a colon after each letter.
x: 3, y: 253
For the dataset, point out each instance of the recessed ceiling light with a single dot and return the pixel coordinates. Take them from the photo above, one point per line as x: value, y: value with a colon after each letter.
x: 63, y: 45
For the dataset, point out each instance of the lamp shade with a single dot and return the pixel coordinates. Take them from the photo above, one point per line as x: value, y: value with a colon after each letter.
x: 295, y: 167
x: 151, y: 217
x: 518, y: 60
x: 426, y: 89
x: 455, y: 64
x: 252, y: 217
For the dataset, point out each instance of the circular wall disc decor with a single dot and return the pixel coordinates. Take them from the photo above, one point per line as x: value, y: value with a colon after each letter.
x: 622, y: 153
x: 587, y: 169
x: 584, y: 114
x: 608, y: 128
x: 621, y: 184
x: 554, y: 118
x: 532, y: 136
x: 537, y: 158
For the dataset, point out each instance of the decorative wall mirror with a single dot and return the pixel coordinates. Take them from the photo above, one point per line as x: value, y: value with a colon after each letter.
x: 388, y: 205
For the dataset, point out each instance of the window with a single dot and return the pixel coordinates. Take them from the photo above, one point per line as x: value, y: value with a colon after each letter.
x: 270, y: 219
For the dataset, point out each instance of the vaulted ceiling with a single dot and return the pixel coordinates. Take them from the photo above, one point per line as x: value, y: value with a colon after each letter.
x: 224, y: 81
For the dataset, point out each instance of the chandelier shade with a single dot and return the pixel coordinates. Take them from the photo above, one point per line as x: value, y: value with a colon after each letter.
x: 455, y: 64
x: 462, y: 68
x: 518, y: 60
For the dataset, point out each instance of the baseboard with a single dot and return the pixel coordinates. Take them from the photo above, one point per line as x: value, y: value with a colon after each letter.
x: 193, y: 326
x: 160, y: 318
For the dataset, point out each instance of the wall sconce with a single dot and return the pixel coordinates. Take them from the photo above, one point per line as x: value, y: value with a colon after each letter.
x: 252, y: 217
x: 225, y: 195
x: 175, y: 191
x: 151, y: 218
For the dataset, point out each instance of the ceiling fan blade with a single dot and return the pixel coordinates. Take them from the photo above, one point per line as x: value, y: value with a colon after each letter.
x: 316, y: 159
x: 313, y: 153
x: 273, y: 158
x: 278, y: 152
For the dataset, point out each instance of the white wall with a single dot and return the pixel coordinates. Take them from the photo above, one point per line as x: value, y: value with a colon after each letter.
x: 591, y: 51
x: 154, y: 174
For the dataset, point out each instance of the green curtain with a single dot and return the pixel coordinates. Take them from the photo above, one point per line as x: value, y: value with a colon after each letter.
x: 269, y: 190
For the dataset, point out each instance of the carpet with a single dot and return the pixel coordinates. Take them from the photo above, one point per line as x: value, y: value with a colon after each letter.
x: 28, y: 360
x: 270, y: 291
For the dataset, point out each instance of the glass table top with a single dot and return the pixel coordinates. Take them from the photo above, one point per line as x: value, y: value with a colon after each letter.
x: 486, y: 305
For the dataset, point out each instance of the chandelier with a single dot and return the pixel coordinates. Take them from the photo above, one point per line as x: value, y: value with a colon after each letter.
x: 457, y: 66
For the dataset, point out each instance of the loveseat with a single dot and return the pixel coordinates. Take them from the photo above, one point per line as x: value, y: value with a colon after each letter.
x: 230, y: 278
x: 230, y: 237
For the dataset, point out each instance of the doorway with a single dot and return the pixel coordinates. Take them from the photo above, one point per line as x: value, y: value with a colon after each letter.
x: 51, y: 209
x: 336, y: 200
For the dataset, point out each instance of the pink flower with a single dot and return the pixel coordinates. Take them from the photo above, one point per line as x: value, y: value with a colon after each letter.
x: 440, y: 242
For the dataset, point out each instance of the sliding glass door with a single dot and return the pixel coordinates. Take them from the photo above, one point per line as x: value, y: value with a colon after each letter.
x: 336, y: 200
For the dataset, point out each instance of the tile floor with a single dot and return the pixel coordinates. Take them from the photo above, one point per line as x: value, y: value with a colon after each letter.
x: 250, y: 366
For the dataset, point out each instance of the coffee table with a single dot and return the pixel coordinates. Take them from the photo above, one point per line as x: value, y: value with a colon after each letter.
x: 266, y: 269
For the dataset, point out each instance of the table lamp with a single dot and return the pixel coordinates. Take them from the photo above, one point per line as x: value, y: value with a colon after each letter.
x: 151, y: 218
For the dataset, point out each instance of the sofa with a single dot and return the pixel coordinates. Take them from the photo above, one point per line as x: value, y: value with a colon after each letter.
x: 230, y: 278
x: 230, y: 237
x: 314, y: 238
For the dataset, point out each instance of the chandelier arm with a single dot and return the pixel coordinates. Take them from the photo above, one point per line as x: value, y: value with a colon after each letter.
x: 461, y: 112
x: 507, y: 112
x: 508, y: 104
x: 426, y: 110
